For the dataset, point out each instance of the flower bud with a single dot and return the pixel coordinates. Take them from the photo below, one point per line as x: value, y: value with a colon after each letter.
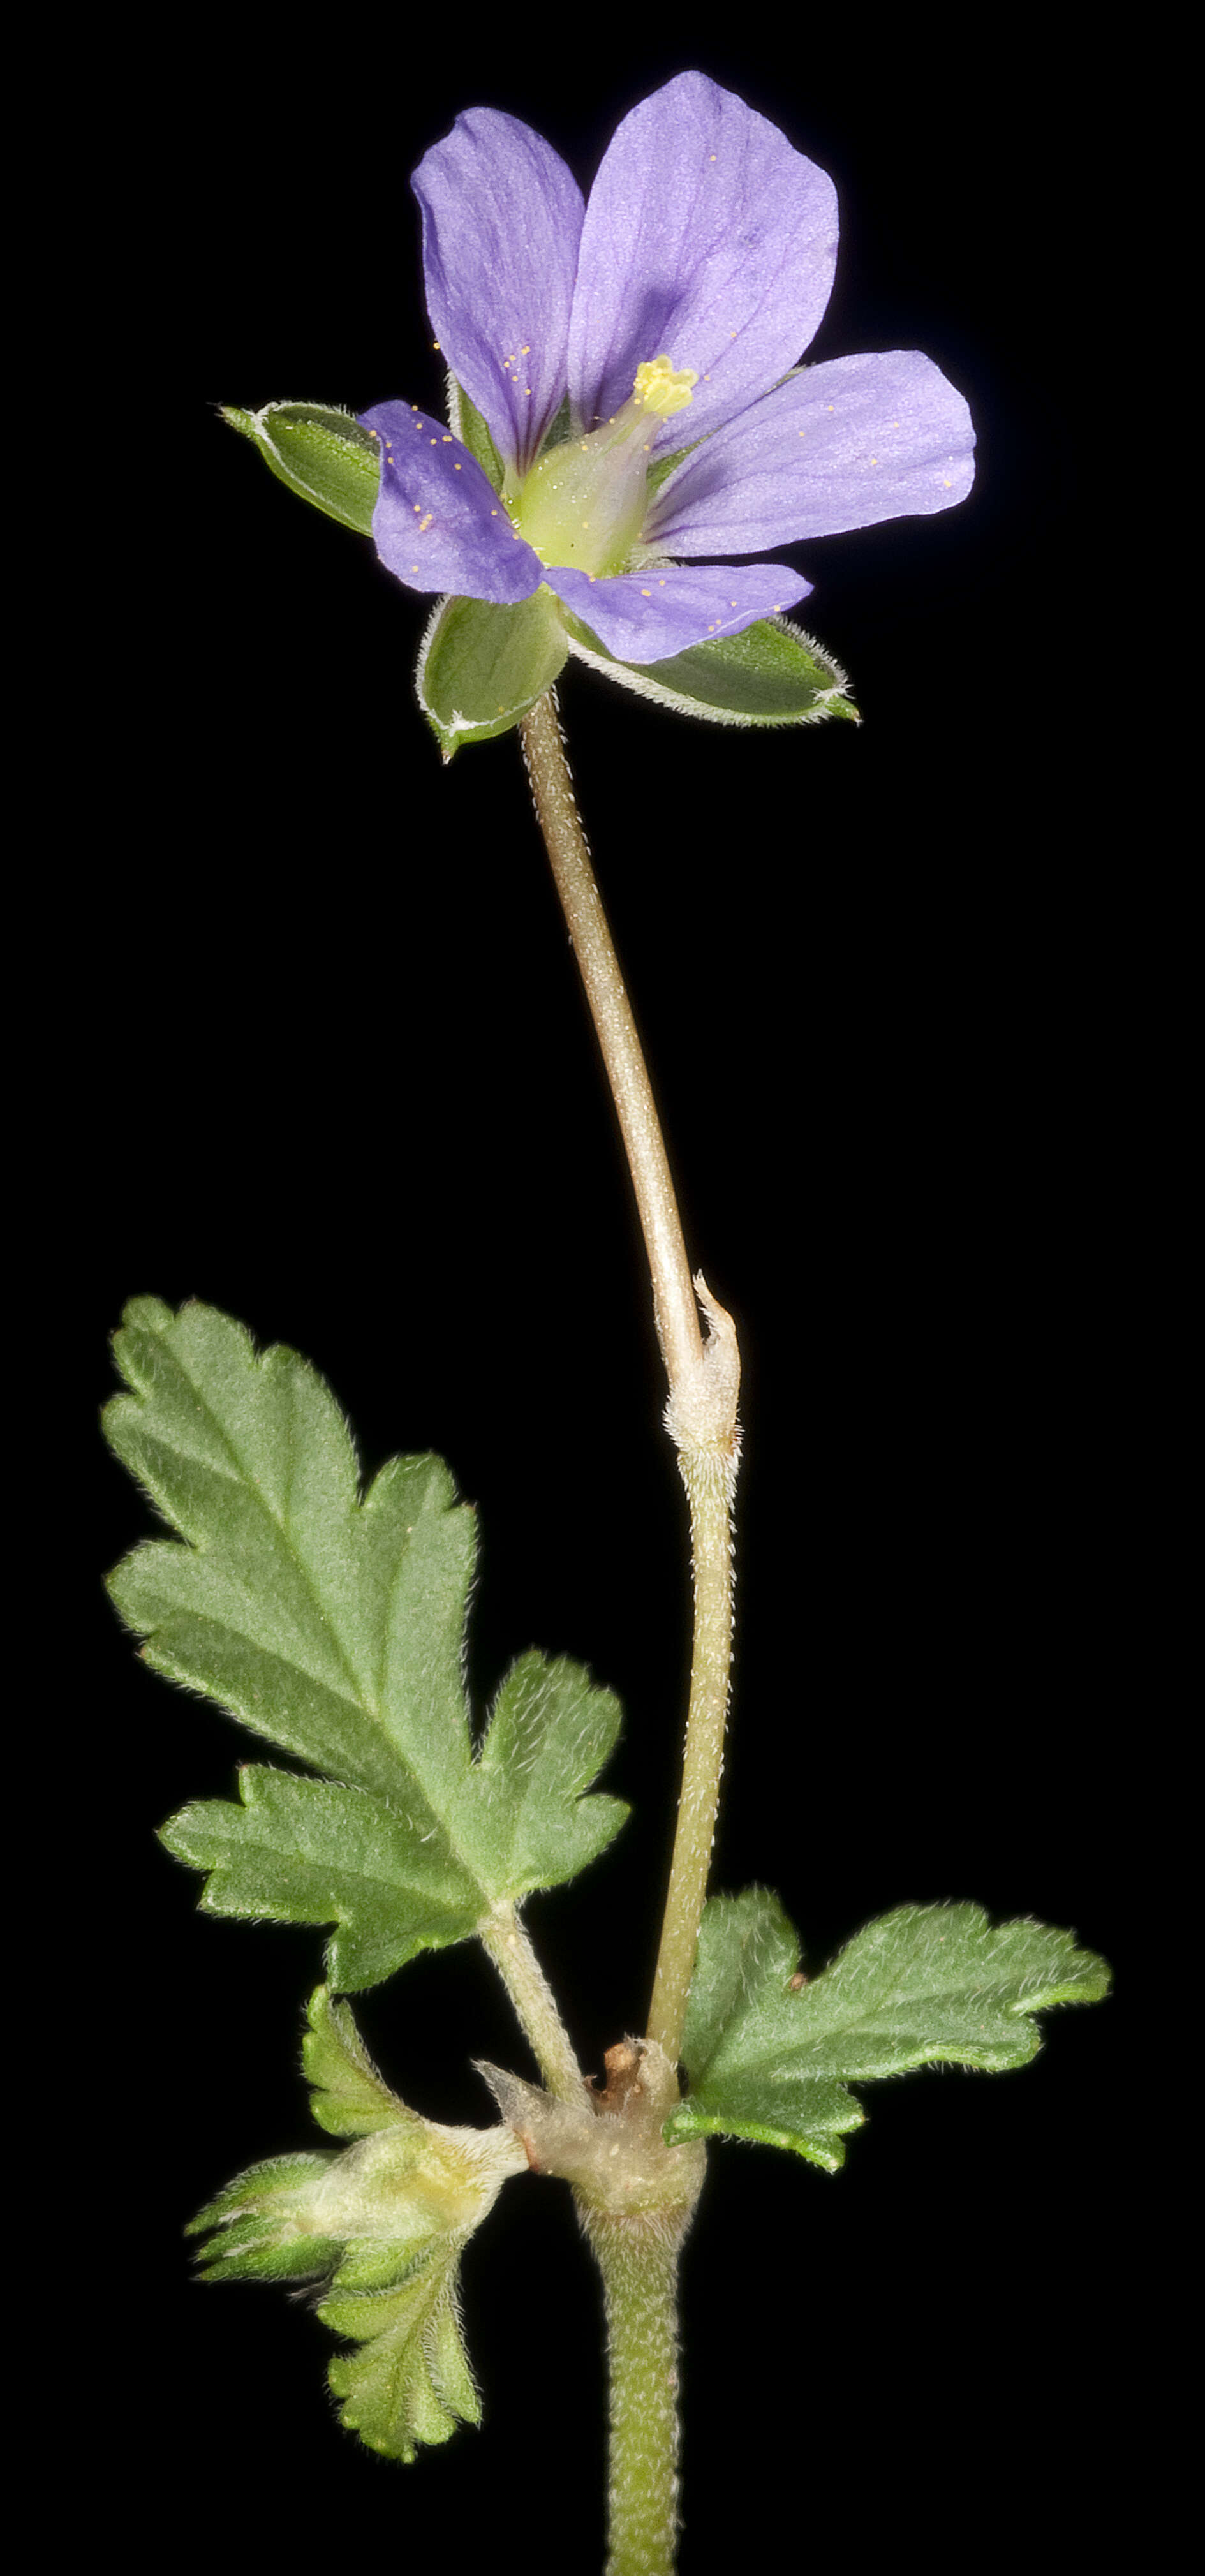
x: 404, y: 2185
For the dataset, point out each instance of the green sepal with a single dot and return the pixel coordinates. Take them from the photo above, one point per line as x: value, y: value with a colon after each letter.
x: 335, y: 1627
x: 473, y: 430
x: 322, y: 454
x: 481, y: 667
x: 769, y: 2055
x: 661, y: 467
x: 467, y: 424
x: 770, y: 674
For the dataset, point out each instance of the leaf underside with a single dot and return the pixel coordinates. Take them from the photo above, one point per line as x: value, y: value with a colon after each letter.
x: 770, y: 2056
x: 334, y: 1627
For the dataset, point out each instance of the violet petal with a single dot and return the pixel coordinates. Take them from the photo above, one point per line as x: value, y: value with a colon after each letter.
x: 842, y: 445
x: 502, y: 217
x: 438, y: 523
x: 646, y: 616
x: 707, y: 237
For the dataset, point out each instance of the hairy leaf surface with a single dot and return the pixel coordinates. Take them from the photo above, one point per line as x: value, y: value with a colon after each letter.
x: 769, y: 2056
x: 347, y: 2095
x: 335, y: 1627
x: 411, y: 2381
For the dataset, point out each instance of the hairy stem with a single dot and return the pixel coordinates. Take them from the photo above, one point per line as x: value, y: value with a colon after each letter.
x: 556, y: 810
x: 709, y: 1480
x: 704, y: 1379
x: 638, y: 2251
x: 638, y: 2258
x: 509, y: 1945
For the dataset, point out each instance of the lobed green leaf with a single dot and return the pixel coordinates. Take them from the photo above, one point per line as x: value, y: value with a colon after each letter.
x: 769, y: 2056
x: 549, y: 1735
x: 412, y: 2382
x: 314, y: 1851
x: 334, y: 1627
x: 347, y: 2095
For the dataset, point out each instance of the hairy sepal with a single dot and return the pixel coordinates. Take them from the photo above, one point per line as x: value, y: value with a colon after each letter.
x: 482, y: 668
x: 769, y: 674
x: 322, y: 454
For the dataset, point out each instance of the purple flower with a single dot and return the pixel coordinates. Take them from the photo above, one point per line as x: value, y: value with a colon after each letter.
x: 663, y: 319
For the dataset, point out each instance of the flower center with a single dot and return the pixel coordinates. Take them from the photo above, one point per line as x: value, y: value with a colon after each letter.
x: 583, y: 503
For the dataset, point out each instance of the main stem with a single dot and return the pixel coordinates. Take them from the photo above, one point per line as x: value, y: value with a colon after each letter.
x: 639, y: 2258
x: 709, y: 1480
x: 703, y: 1378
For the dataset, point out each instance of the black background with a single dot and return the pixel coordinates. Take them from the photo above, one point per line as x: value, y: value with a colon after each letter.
x: 337, y: 1078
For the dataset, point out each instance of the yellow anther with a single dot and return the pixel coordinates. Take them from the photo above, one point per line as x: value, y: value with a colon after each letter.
x: 661, y: 388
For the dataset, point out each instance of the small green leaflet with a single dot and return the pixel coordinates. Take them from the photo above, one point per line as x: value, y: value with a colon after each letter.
x: 335, y: 1628
x: 264, y: 2217
x: 347, y: 2096
x: 411, y: 2382
x: 382, y: 2227
x: 769, y: 2056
